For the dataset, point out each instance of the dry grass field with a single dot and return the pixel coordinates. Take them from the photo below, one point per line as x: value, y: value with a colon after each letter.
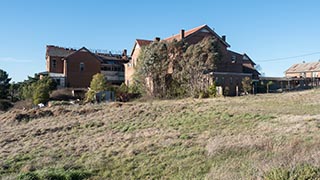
x: 270, y: 136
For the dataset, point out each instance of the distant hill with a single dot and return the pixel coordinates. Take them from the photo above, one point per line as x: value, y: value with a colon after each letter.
x: 249, y: 137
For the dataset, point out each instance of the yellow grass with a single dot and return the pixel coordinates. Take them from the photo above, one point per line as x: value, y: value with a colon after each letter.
x: 222, y: 138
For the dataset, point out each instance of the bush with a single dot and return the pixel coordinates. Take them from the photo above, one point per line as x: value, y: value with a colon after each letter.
x: 41, y: 94
x: 38, y: 90
x: 212, y: 91
x: 62, y: 95
x: 97, y: 84
x: 226, y: 91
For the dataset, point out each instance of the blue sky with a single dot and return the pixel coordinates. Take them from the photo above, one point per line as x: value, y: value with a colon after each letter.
x: 263, y: 29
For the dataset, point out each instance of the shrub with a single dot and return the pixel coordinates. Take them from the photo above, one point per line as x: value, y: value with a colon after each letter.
x: 246, y: 84
x: 98, y: 83
x: 226, y: 91
x: 212, y: 91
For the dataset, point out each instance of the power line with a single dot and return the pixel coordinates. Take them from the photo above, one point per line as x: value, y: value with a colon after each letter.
x: 285, y: 58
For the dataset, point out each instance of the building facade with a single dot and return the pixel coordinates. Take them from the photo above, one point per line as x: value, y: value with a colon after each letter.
x: 75, y: 68
x: 229, y: 72
x: 304, y: 70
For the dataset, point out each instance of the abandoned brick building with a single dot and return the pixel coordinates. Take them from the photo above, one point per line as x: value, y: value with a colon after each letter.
x: 75, y: 68
x: 229, y: 72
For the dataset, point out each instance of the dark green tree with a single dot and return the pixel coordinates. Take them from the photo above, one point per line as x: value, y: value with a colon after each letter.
x: 14, y: 91
x: 4, y: 84
x: 41, y: 93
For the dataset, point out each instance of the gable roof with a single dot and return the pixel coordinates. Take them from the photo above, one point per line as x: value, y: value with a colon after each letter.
x: 247, y: 63
x: 304, y: 67
x: 83, y: 49
x: 143, y: 42
x: 190, y: 32
x: 187, y: 34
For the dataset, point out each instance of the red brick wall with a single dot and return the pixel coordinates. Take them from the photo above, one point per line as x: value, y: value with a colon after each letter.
x: 59, y: 64
x: 225, y: 64
x: 77, y: 78
x: 231, y: 81
x: 228, y: 65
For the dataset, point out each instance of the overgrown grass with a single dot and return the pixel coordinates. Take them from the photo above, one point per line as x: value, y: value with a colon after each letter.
x: 221, y: 138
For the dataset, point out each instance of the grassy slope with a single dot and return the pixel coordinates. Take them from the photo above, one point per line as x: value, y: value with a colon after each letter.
x: 222, y: 138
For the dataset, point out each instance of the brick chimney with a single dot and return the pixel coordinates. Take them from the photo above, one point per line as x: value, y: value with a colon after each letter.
x: 224, y: 38
x: 182, y: 34
x: 124, y: 53
x: 156, y: 39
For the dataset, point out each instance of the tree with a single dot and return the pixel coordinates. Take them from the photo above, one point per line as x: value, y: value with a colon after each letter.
x: 37, y: 89
x: 14, y: 91
x: 41, y: 93
x: 152, y: 68
x: 246, y: 84
x: 194, y: 68
x: 4, y: 84
x: 98, y: 83
x: 176, y: 69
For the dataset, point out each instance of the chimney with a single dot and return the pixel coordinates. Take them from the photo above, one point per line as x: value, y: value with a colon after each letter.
x: 156, y: 39
x: 124, y: 53
x: 224, y: 38
x: 182, y: 34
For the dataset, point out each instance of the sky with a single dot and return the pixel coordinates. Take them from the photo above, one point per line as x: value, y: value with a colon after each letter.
x: 274, y: 33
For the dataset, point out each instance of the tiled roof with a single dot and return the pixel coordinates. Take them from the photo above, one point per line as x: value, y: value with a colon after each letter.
x: 186, y: 33
x: 59, y: 51
x: 143, y: 42
x: 304, y: 67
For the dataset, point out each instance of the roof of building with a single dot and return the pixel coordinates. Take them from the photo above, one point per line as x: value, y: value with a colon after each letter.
x: 304, y: 67
x: 186, y: 33
x: 143, y: 42
x: 59, y: 51
x: 190, y: 32
x: 65, y: 52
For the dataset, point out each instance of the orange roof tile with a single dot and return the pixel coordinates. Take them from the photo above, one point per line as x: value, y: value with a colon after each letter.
x: 143, y: 42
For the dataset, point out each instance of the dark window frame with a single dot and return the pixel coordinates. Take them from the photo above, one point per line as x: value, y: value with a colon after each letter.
x: 81, y: 67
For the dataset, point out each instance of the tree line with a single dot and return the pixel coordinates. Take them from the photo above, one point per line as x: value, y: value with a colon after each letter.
x: 35, y: 89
